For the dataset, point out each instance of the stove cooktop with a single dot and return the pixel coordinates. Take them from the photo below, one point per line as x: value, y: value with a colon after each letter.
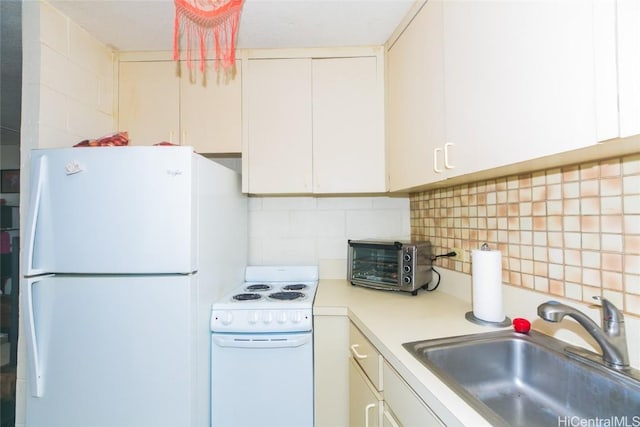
x: 273, y: 299
x: 286, y: 295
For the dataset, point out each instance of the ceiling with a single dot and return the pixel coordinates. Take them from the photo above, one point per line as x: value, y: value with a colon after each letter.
x: 128, y: 25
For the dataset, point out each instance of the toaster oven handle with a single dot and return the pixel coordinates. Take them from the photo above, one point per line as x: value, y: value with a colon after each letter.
x: 372, y: 245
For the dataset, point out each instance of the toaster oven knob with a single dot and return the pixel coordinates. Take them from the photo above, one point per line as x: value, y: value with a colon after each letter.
x: 407, y: 279
x: 407, y: 268
x: 407, y: 257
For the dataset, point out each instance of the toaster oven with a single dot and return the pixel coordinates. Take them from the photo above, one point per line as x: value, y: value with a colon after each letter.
x: 390, y: 265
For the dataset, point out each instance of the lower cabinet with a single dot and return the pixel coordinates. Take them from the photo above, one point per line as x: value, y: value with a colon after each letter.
x: 403, y: 403
x: 365, y: 403
x: 378, y: 396
x: 355, y: 386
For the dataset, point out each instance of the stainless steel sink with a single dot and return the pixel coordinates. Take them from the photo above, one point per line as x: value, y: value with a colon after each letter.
x: 529, y: 380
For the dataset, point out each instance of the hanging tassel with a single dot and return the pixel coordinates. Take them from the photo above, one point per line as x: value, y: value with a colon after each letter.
x: 219, y: 22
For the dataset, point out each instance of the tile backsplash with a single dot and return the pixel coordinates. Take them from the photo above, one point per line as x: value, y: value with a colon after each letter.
x: 573, y: 231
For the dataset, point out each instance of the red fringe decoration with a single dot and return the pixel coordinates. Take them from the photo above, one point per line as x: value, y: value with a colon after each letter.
x: 219, y: 22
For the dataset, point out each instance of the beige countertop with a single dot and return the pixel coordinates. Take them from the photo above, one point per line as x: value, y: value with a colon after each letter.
x: 389, y: 319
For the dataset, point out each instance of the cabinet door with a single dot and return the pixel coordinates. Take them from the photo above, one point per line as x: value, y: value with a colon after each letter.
x: 408, y: 408
x: 149, y: 102
x: 629, y: 66
x: 211, y: 110
x: 604, y: 48
x: 415, y: 103
x: 519, y: 80
x: 348, y: 125
x: 364, y: 403
x: 279, y: 147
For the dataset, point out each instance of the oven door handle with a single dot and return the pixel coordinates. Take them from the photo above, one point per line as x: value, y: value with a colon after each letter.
x: 274, y: 341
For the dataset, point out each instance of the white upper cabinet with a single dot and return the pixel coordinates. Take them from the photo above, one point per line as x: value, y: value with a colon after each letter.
x: 478, y: 85
x: 149, y: 102
x: 211, y: 110
x: 519, y: 79
x: 628, y: 54
x: 159, y: 102
x: 314, y: 125
x: 415, y: 102
x: 278, y: 156
x: 348, y: 126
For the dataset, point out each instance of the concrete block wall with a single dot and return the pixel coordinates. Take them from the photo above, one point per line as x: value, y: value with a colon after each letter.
x: 69, y: 79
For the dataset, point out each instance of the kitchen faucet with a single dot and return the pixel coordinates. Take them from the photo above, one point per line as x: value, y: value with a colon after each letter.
x: 611, y: 337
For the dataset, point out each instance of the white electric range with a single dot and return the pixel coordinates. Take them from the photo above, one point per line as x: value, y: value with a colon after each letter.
x: 262, y: 349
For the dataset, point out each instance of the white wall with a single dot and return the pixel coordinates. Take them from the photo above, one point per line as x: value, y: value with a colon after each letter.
x: 315, y: 230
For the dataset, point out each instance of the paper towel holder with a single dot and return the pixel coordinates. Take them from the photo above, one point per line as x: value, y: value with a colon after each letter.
x: 473, y: 319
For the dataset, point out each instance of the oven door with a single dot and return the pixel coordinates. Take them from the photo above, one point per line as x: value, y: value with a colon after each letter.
x: 375, y: 264
x: 262, y: 380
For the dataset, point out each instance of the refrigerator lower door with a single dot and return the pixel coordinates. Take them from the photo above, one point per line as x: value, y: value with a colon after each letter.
x: 110, y: 351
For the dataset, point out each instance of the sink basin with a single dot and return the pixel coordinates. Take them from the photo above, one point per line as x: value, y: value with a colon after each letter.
x: 528, y: 380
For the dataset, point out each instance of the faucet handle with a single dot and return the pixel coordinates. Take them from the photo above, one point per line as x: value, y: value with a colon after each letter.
x: 610, y: 313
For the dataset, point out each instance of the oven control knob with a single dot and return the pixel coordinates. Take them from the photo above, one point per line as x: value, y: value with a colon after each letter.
x: 407, y: 279
x: 407, y: 268
x: 268, y: 317
x: 282, y: 317
x: 407, y: 257
x: 253, y: 317
x: 297, y: 317
x: 226, y: 317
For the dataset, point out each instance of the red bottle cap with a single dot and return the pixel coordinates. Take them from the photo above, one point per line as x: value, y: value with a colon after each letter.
x: 521, y: 325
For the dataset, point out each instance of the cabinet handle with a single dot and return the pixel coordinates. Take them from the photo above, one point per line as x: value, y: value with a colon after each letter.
x: 366, y: 413
x: 446, y: 155
x: 171, y: 137
x: 436, y: 152
x: 355, y: 352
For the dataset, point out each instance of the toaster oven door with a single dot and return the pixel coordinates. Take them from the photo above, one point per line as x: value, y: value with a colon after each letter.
x: 377, y: 264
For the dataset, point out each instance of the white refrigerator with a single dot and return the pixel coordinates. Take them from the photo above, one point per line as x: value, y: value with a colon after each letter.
x: 126, y: 249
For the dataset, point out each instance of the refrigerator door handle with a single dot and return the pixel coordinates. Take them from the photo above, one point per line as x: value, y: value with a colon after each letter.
x: 35, y: 372
x: 34, y: 212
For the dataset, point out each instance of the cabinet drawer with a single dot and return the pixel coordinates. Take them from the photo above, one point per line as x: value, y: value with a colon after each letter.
x: 366, y: 355
x: 408, y: 408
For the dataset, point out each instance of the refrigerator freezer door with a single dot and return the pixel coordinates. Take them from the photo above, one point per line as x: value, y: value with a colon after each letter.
x: 112, y: 351
x: 112, y: 210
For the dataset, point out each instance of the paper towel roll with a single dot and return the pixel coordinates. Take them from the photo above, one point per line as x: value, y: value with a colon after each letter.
x: 486, y: 276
